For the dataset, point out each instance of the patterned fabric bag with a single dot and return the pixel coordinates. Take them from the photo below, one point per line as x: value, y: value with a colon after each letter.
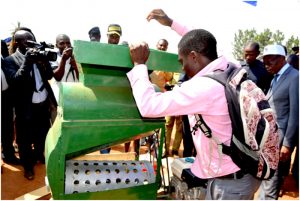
x: 254, y: 144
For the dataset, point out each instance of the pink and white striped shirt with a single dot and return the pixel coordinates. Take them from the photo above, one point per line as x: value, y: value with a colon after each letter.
x: 199, y: 95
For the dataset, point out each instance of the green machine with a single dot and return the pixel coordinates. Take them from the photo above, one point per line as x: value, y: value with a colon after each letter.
x: 96, y: 113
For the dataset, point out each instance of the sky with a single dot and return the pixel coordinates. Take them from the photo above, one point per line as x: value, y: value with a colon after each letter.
x: 223, y: 18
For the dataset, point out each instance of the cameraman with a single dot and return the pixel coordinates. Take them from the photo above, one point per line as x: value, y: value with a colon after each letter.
x: 28, y: 74
x: 65, y: 67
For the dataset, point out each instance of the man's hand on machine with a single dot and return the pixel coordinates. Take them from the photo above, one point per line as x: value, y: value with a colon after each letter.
x: 139, y: 53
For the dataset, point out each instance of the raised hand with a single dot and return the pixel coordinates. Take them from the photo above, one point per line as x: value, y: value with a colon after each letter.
x: 160, y: 16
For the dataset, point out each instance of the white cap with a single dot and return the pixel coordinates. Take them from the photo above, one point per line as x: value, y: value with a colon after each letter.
x: 274, y: 50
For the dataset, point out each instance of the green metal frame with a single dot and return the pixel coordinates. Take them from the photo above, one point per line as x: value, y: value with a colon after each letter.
x: 99, y: 112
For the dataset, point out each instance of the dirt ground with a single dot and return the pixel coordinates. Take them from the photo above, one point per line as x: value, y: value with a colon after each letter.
x: 14, y: 185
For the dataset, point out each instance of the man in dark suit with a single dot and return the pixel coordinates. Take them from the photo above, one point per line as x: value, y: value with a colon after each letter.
x: 7, y: 115
x: 283, y: 97
x: 28, y: 75
x: 255, y: 68
x: 4, y: 49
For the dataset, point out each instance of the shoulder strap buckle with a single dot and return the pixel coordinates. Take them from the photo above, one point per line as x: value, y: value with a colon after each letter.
x: 202, y: 125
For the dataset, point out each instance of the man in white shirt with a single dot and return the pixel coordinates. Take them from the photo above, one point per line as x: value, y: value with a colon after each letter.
x: 65, y: 67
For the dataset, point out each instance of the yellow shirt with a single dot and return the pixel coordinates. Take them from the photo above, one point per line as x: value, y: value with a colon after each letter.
x: 160, y: 78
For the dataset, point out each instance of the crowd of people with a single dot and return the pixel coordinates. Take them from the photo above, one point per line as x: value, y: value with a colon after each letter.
x: 30, y: 86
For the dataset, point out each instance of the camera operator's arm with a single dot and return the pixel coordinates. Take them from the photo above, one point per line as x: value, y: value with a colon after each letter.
x: 60, y: 70
x: 19, y: 67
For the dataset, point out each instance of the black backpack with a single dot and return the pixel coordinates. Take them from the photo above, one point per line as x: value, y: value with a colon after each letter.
x: 254, y: 145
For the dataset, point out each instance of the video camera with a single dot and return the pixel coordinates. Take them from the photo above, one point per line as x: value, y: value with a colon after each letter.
x: 39, y: 52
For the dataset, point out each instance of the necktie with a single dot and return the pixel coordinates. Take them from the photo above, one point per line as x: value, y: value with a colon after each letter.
x: 275, y: 80
x: 39, y: 85
x: 273, y: 84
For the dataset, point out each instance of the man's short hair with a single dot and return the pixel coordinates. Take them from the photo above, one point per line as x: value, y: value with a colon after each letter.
x: 94, y: 31
x: 165, y: 40
x: 253, y: 45
x: 201, y: 41
x: 295, y: 49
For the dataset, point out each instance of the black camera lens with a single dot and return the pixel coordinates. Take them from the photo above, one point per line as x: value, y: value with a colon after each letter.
x: 51, y: 56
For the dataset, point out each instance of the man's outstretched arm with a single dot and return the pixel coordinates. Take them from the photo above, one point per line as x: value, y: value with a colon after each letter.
x: 160, y: 16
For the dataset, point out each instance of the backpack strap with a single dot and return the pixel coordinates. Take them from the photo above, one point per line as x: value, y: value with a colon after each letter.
x: 202, y: 125
x: 244, y: 63
x: 223, y: 76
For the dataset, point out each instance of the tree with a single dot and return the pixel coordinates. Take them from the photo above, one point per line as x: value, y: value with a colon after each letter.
x: 264, y: 38
x: 292, y: 42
